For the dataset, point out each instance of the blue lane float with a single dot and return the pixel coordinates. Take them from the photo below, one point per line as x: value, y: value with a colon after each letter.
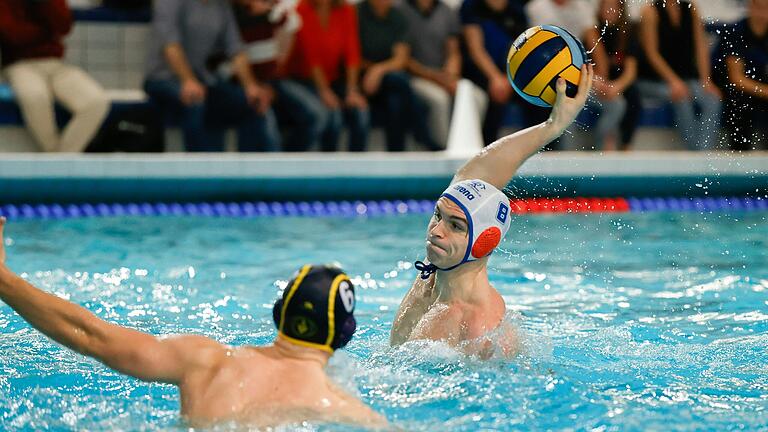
x: 698, y: 204
x: 337, y: 208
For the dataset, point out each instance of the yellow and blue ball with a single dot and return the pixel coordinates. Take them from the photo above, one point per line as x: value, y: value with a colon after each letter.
x: 541, y: 55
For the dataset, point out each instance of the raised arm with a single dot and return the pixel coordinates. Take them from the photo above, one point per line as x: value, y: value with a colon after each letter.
x: 127, y: 351
x: 497, y: 163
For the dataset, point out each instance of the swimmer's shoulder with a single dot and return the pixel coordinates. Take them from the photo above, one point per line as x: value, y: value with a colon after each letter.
x: 353, y: 410
x: 484, y: 317
x: 203, y: 350
x: 442, y: 321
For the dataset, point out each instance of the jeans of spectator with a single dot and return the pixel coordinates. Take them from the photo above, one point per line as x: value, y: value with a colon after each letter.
x: 38, y: 83
x: 698, y: 134
x: 315, y: 124
x: 307, y: 119
x: 631, y: 118
x: 204, y: 124
x: 746, y: 121
x: 401, y: 110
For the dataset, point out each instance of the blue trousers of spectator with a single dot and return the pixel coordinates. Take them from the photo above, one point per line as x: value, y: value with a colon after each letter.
x: 313, y: 123
x: 402, y: 111
x: 203, y: 125
x: 698, y: 134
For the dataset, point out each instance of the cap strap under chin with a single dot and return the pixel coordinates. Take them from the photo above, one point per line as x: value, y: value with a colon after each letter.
x: 425, y: 269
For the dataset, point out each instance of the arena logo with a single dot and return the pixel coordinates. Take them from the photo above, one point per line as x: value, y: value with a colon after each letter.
x: 477, y: 186
x: 464, y: 191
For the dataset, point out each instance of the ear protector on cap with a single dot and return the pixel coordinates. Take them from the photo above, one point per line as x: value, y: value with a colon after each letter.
x: 317, y: 309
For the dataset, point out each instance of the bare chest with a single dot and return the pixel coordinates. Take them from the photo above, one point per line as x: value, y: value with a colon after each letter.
x: 454, y: 323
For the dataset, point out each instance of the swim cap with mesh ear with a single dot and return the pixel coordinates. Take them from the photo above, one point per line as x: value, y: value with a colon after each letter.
x: 317, y: 308
x: 487, y: 211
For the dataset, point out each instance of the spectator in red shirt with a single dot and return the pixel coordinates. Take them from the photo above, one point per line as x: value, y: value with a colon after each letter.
x: 31, y: 34
x: 326, y: 45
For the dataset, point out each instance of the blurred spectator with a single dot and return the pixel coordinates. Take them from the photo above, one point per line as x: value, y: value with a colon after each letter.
x: 675, y: 66
x: 188, y: 38
x: 126, y: 4
x: 618, y: 38
x: 578, y: 18
x: 327, y: 45
x: 490, y: 27
x: 743, y: 67
x: 267, y: 28
x: 31, y: 34
x: 433, y: 34
x: 385, y: 53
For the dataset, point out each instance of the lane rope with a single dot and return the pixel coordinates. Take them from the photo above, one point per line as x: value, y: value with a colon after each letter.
x: 376, y: 208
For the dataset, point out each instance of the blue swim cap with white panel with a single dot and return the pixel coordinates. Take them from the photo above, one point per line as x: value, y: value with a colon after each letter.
x: 487, y: 211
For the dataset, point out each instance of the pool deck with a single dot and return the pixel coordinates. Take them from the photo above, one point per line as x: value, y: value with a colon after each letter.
x: 37, y: 177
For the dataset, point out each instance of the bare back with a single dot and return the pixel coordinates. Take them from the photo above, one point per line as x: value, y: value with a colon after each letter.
x: 257, y: 387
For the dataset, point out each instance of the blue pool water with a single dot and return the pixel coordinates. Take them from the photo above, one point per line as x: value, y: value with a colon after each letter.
x: 631, y: 322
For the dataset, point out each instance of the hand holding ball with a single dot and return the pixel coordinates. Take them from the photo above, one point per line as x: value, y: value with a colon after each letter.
x: 541, y: 55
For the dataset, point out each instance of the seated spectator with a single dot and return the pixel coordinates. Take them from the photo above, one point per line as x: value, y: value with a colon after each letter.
x: 384, y: 81
x: 621, y: 48
x: 675, y: 66
x: 316, y: 87
x: 267, y: 28
x: 435, y: 62
x: 31, y: 34
x: 577, y: 17
x: 743, y: 57
x: 490, y: 27
x: 188, y: 38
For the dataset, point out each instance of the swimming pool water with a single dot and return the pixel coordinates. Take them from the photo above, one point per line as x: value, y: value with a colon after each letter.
x: 631, y: 322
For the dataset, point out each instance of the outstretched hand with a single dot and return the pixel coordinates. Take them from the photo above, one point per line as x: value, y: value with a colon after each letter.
x: 2, y: 240
x: 567, y: 108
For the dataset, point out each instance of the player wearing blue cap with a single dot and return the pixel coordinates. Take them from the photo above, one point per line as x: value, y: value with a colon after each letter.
x: 452, y: 300
x: 256, y: 386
